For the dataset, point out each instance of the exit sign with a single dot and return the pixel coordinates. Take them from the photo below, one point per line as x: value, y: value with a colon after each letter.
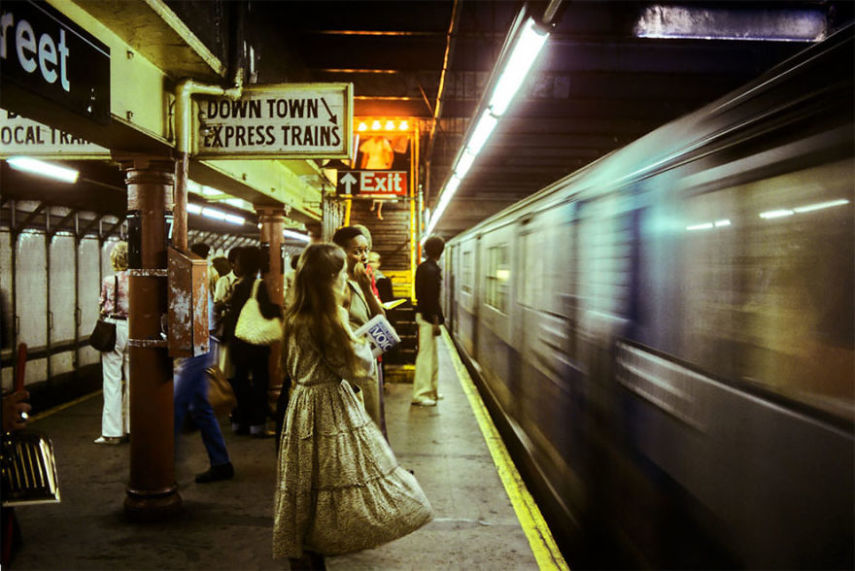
x: 372, y: 183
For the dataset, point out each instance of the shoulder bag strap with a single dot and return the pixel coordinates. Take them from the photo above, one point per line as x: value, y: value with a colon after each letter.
x: 116, y: 294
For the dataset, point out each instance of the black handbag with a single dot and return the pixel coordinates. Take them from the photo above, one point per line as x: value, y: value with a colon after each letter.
x: 103, y: 336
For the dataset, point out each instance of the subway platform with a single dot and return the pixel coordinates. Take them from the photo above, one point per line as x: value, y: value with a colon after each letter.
x: 483, y: 516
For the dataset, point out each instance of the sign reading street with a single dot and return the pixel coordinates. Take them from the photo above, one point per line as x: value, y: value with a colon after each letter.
x: 45, y: 54
x: 373, y: 183
x: 282, y: 121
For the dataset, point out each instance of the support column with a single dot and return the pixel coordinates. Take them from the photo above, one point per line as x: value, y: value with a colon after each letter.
x: 152, y: 492
x: 272, y: 220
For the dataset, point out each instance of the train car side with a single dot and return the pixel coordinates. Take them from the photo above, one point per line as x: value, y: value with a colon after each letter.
x: 667, y: 335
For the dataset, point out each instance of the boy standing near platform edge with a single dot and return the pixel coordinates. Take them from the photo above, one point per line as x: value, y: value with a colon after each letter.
x: 429, y: 318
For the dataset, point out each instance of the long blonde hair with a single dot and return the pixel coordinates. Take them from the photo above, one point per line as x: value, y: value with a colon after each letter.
x: 316, y: 302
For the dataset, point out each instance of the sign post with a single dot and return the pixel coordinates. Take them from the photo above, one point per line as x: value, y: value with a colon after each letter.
x: 278, y: 121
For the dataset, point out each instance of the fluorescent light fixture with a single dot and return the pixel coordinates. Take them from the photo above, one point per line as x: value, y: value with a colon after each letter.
x: 220, y: 215
x: 452, y: 185
x: 482, y: 132
x: 42, y: 168
x: 213, y: 213
x: 194, y: 208
x: 233, y: 219
x: 463, y: 165
x: 757, y: 24
x: 709, y: 225
x: 294, y: 235
x: 528, y: 45
x: 820, y: 206
x: 503, y: 275
x: 780, y: 213
x: 705, y: 226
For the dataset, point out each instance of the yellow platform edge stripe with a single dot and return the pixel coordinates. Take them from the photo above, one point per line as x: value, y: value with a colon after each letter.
x: 56, y: 409
x: 540, y: 539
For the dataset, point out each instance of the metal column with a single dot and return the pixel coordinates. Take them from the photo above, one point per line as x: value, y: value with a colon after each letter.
x: 152, y: 492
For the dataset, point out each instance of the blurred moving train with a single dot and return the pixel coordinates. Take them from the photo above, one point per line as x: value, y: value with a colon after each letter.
x: 667, y: 334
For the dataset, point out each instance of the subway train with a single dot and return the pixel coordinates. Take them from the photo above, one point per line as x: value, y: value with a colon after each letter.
x: 666, y: 335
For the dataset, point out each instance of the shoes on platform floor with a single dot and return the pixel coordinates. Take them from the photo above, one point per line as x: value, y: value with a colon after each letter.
x: 261, y: 432
x: 440, y: 396
x: 216, y: 473
x: 424, y: 402
x: 109, y: 440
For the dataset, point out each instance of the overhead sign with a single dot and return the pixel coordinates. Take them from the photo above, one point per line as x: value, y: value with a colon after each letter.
x: 44, y: 53
x: 20, y: 136
x: 284, y: 121
x: 372, y: 183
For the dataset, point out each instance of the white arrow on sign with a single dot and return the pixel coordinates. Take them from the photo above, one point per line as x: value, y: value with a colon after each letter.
x: 348, y: 180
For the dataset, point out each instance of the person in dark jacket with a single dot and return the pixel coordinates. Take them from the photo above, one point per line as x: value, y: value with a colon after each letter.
x: 429, y: 318
x: 252, y: 375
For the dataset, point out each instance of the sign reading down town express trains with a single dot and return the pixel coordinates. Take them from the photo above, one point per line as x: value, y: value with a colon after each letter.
x: 278, y: 121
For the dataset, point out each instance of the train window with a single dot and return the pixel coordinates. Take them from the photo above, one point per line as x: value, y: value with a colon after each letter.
x: 532, y: 279
x: 766, y: 289
x: 498, y: 276
x: 605, y: 257
x: 466, y: 283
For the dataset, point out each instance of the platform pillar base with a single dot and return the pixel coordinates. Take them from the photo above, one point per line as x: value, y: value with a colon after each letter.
x: 147, y: 506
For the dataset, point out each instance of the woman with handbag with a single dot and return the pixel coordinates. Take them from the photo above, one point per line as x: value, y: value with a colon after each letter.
x: 257, y: 325
x: 115, y: 418
x: 339, y: 487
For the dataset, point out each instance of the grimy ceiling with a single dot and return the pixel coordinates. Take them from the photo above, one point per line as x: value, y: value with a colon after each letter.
x: 595, y: 88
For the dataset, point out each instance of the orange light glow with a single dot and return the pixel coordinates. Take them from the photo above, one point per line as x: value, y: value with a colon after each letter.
x: 363, y: 126
x: 404, y: 126
x: 375, y: 126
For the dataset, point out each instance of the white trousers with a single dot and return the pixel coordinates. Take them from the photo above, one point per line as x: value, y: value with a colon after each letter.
x: 115, y: 420
x: 427, y: 362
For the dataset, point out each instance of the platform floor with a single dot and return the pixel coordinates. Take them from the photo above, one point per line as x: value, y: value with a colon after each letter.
x: 227, y: 525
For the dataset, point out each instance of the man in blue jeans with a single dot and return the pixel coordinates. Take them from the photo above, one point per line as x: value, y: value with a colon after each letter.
x: 191, y: 395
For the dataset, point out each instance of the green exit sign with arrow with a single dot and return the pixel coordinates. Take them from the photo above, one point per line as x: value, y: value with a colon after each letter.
x: 278, y: 121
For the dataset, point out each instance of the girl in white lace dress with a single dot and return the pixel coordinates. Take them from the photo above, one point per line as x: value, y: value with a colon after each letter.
x: 339, y: 487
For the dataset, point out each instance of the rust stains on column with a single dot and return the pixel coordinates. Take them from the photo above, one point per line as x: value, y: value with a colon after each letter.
x: 152, y: 492
x: 182, y: 167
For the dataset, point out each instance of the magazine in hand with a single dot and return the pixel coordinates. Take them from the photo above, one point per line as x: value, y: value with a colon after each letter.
x: 394, y: 303
x: 381, y: 333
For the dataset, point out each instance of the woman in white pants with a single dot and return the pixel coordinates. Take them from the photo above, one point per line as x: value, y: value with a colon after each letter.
x: 115, y: 420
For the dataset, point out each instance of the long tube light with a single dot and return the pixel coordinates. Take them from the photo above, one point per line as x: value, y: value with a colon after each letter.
x: 525, y: 52
x: 42, y: 168
x: 295, y: 235
x: 220, y: 215
x: 529, y: 42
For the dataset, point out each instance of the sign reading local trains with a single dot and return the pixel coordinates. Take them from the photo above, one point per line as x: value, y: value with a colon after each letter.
x: 287, y: 120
